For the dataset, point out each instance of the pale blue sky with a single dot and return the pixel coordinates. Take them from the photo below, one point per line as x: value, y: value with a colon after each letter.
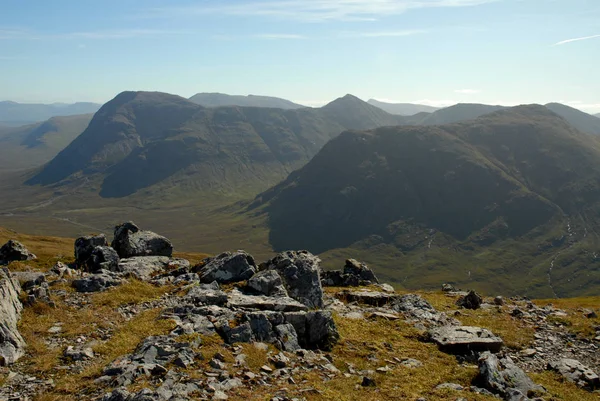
x: 311, y: 51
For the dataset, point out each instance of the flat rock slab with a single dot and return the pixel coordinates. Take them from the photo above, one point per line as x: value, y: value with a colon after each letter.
x: 373, y: 298
x: 144, y: 267
x: 576, y: 372
x: 261, y: 302
x: 465, y: 339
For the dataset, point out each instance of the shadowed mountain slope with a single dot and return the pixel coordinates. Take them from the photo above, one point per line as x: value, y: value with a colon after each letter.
x: 584, y: 122
x: 516, y: 177
x: 402, y: 109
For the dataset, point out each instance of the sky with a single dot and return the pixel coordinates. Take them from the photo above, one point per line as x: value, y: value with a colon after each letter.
x: 435, y: 52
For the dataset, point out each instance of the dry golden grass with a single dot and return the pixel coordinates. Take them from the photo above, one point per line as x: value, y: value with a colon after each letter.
x: 561, y: 389
x: 49, y: 250
x: 132, y: 292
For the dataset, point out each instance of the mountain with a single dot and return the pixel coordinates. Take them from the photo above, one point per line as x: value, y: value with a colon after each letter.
x: 597, y: 115
x: 221, y: 99
x: 354, y: 113
x: 140, y: 139
x: 582, y: 121
x: 402, y: 109
x: 507, y: 201
x: 456, y: 113
x: 17, y: 114
x: 36, y: 144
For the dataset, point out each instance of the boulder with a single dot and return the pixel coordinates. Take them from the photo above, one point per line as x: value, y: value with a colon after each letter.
x: 502, y: 376
x: 372, y: 298
x: 12, y: 345
x: 299, y: 271
x: 227, y: 268
x: 129, y: 241
x: 101, y: 281
x: 103, y: 258
x: 145, y: 267
x: 85, y: 245
x: 29, y: 280
x: 288, y: 338
x: 268, y: 283
x: 315, y: 330
x: 470, y: 301
x: 463, y: 340
x: 417, y: 308
x: 576, y: 372
x: 14, y: 251
x: 354, y: 274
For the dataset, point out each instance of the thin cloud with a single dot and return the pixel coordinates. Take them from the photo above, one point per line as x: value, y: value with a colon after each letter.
x: 279, y: 36
x: 311, y: 10
x: 383, y: 34
x: 108, y: 34
x: 563, y: 42
x: 467, y: 91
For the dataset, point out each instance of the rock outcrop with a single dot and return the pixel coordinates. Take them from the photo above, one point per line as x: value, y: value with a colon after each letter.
x: 226, y: 268
x: 576, y: 372
x: 84, y: 246
x: 12, y: 345
x: 129, y: 241
x: 505, y: 378
x: 14, y: 251
x: 354, y: 274
x: 300, y: 272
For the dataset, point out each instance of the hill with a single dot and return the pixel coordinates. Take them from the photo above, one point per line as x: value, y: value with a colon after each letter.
x: 140, y: 139
x: 36, y: 144
x: 402, y: 109
x: 221, y: 99
x: 458, y: 112
x: 16, y: 114
x: 597, y: 115
x: 507, y: 201
x: 140, y: 336
x: 584, y: 122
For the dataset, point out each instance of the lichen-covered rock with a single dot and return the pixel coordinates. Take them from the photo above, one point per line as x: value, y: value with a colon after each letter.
x: 470, y: 301
x: 228, y: 267
x: 103, y: 258
x: 12, y: 345
x: 576, y: 372
x: 261, y: 302
x: 463, y: 340
x: 145, y: 267
x: 206, y: 294
x: 129, y: 241
x: 354, y: 274
x: 269, y: 283
x: 85, y: 245
x: 14, y: 251
x: 300, y: 272
x: 100, y: 281
x: 502, y: 376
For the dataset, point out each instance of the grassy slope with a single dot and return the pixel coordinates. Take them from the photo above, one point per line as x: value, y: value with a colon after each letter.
x: 359, y: 339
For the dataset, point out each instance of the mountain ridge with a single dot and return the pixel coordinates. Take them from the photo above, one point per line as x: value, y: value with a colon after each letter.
x: 216, y: 99
x: 402, y: 109
x: 18, y: 114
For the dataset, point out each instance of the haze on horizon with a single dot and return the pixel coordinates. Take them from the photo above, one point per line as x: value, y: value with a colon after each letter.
x: 434, y: 52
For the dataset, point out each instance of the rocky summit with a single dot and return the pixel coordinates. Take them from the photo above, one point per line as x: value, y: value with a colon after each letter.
x: 136, y: 321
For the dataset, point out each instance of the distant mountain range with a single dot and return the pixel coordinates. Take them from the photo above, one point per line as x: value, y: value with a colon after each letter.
x: 18, y: 114
x: 36, y: 144
x: 506, y: 196
x: 402, y: 109
x: 221, y: 99
x: 140, y: 139
x: 597, y: 115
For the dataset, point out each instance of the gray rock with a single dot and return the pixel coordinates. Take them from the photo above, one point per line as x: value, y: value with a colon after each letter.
x: 499, y: 301
x: 145, y: 267
x: 232, y: 335
x: 321, y: 331
x: 12, y: 345
x: 269, y: 283
x: 103, y: 258
x: 576, y: 372
x: 118, y: 395
x: 85, y: 245
x: 372, y: 298
x: 448, y: 288
x: 14, y: 251
x: 287, y: 337
x: 464, y: 340
x: 28, y: 280
x: 417, y: 308
x: 78, y: 353
x: 97, y: 282
x: 299, y: 271
x: 502, y: 376
x: 470, y: 301
x: 62, y: 270
x: 360, y: 270
x: 206, y: 294
x: 261, y: 302
x: 449, y: 386
x: 129, y: 241
x: 227, y: 268
x: 368, y: 382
